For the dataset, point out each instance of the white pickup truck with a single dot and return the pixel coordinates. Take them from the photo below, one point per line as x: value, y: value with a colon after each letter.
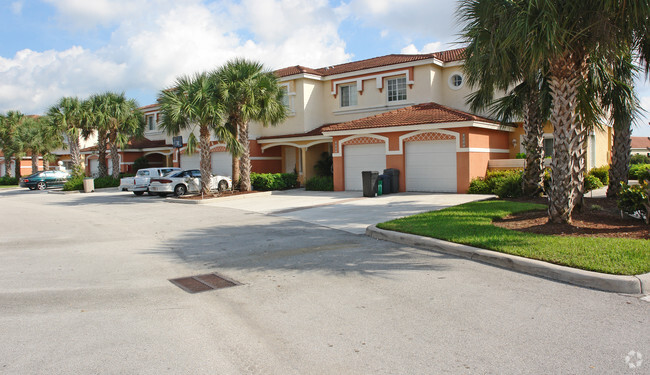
x: 140, y: 183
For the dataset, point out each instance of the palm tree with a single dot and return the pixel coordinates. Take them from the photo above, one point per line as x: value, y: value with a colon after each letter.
x: 95, y: 120
x: 11, y: 145
x: 39, y: 137
x: 67, y: 116
x: 620, y: 99
x: 249, y: 93
x: 564, y: 35
x: 123, y: 120
x: 193, y: 101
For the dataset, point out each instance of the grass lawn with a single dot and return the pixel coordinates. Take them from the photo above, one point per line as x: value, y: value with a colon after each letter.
x: 8, y: 186
x: 471, y: 224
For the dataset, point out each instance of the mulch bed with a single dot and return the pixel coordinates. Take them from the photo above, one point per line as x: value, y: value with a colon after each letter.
x: 600, y: 217
x: 217, y: 195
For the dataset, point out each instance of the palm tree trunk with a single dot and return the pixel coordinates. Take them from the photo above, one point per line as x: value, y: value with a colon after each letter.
x: 34, y: 162
x: 115, y: 154
x: 618, y: 172
x: 533, y: 180
x: 245, y: 161
x: 75, y: 150
x: 579, y: 167
x: 46, y: 163
x: 7, y: 165
x: 206, y: 160
x: 566, y: 75
x: 17, y: 165
x: 101, y: 152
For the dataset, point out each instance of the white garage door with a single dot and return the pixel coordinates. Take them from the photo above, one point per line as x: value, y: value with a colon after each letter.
x: 221, y: 163
x: 191, y: 161
x: 359, y: 158
x: 431, y: 166
x: 94, y: 167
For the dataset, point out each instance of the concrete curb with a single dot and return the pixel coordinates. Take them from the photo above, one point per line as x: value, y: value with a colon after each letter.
x: 214, y: 200
x: 80, y: 191
x: 639, y: 284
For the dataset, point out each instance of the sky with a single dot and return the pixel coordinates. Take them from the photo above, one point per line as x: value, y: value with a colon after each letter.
x: 55, y: 48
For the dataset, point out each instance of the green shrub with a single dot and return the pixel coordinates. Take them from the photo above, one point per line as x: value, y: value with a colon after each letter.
x: 639, y: 159
x: 273, y: 181
x: 602, y: 173
x: 478, y: 186
x: 592, y: 182
x: 74, y: 183
x: 644, y: 176
x: 521, y: 155
x: 505, y: 183
x: 320, y: 183
x: 5, y: 180
x: 509, y: 186
x: 77, y: 183
x: 631, y: 199
x: 636, y: 169
x: 105, y: 182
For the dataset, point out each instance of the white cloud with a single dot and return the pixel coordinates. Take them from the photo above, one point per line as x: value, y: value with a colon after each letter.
x: 409, y: 18
x: 17, y: 7
x: 147, y: 50
x: 411, y: 49
x: 84, y: 14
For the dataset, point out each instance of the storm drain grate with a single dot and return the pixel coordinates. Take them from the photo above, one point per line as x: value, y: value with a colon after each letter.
x: 202, y: 283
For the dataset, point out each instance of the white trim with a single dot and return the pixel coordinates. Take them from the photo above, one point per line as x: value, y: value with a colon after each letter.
x: 126, y: 163
x: 482, y: 149
x: 376, y: 136
x: 159, y: 153
x: 383, y: 68
x: 296, y: 145
x: 290, y: 139
x: 266, y: 158
x: 373, y: 109
x: 301, y: 75
x: 444, y: 125
x: 400, y: 151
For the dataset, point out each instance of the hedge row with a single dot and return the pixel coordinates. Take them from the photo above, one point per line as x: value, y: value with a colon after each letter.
x: 5, y: 180
x: 77, y: 183
x: 320, y: 183
x: 273, y: 181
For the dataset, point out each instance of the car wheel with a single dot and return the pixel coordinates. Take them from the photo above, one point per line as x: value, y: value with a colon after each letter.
x: 138, y: 193
x: 41, y: 185
x: 180, y: 190
x: 223, y: 185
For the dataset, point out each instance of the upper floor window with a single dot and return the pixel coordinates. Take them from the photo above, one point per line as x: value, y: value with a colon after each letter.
x: 285, y: 96
x: 151, y: 122
x: 349, y: 95
x: 456, y: 81
x: 396, y: 89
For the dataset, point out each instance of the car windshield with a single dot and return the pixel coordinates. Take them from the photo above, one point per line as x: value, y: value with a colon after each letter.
x: 177, y: 174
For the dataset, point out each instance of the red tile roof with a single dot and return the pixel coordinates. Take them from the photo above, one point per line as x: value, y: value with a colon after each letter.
x: 375, y: 62
x: 640, y: 142
x: 149, y: 106
x: 311, y: 133
x: 425, y: 113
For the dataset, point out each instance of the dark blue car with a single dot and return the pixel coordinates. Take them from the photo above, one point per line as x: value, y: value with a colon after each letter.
x: 43, y: 180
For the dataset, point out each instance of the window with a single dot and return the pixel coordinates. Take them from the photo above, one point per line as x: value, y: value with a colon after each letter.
x: 548, y: 147
x: 349, y: 95
x: 151, y: 123
x: 396, y: 89
x: 456, y: 81
x: 285, y: 96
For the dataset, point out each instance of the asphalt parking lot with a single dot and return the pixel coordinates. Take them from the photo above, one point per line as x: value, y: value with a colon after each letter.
x: 84, y: 289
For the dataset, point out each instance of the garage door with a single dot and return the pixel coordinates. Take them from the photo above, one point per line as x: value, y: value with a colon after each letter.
x: 94, y: 167
x: 191, y: 161
x: 360, y: 158
x: 431, y: 166
x: 221, y: 163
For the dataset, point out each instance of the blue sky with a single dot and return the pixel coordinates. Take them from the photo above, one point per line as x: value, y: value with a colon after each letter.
x: 52, y: 48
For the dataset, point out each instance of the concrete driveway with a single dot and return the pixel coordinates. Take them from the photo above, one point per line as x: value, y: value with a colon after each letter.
x: 345, y: 210
x: 84, y: 290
